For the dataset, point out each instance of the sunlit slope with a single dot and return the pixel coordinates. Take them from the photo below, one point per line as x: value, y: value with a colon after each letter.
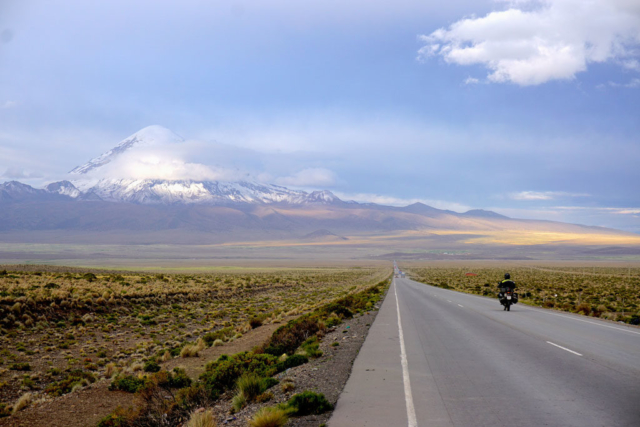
x: 314, y: 224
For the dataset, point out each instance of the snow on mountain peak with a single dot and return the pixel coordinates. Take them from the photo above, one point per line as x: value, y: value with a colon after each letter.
x: 151, y: 135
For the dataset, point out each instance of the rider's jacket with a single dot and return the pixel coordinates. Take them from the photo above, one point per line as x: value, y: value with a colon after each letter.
x: 507, y: 284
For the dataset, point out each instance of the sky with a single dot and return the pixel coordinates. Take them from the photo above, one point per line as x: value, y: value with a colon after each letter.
x: 528, y: 108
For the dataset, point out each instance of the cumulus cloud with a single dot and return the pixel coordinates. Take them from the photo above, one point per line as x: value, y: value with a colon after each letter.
x: 536, y: 41
x: 543, y: 195
x: 471, y: 81
x: 310, y: 177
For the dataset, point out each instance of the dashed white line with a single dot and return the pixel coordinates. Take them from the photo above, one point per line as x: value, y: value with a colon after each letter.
x: 460, y: 305
x: 408, y: 397
x: 564, y: 348
x: 448, y: 300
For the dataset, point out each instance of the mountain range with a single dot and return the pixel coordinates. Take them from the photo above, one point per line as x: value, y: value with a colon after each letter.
x: 95, y: 201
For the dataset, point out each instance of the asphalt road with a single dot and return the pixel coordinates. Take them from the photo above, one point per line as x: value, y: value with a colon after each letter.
x: 469, y: 363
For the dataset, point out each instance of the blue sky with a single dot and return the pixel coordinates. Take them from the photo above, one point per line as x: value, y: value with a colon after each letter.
x: 529, y: 108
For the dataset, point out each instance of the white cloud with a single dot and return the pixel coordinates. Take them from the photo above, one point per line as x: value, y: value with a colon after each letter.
x: 310, y: 177
x: 535, y: 41
x: 543, y: 195
x: 399, y: 201
x: 19, y: 173
x: 615, y: 211
x: 471, y: 81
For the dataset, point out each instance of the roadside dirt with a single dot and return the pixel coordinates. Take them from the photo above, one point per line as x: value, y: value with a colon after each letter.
x: 85, y: 408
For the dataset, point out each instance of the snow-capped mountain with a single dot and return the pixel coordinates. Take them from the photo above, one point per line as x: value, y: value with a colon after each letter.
x: 91, y: 184
x: 144, y: 137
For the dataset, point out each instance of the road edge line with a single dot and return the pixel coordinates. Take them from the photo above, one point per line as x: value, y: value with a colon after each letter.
x: 408, y: 397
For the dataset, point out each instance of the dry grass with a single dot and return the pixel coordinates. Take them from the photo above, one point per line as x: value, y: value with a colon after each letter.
x: 202, y: 418
x: 53, y: 321
x: 269, y: 417
x: 23, y: 402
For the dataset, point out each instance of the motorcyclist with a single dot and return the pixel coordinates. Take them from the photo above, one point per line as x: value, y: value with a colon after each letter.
x: 506, y: 284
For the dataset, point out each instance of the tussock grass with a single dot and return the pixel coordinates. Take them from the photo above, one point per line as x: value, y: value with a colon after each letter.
x: 23, y: 402
x: 202, y: 418
x: 269, y: 417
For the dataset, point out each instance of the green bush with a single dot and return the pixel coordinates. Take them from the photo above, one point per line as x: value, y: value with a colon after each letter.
x: 222, y: 374
x: 65, y: 386
x: 311, y: 347
x: 151, y: 366
x: 307, y: 403
x: 292, y: 362
x: 288, y: 338
x: 221, y: 334
x: 127, y: 383
x: 269, y: 382
x: 179, y: 379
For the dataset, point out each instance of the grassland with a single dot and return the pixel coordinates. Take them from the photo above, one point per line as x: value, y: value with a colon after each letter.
x: 604, y: 291
x: 62, y: 330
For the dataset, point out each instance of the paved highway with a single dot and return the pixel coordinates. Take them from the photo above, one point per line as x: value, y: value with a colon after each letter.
x: 463, y: 361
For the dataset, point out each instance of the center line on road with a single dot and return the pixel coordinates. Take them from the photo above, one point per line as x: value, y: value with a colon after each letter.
x: 449, y: 300
x: 460, y: 305
x: 564, y: 348
x: 408, y: 397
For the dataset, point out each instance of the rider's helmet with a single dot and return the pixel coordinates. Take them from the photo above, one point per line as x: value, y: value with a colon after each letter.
x: 507, y: 276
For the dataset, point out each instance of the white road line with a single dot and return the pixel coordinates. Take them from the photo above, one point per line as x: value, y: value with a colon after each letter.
x: 460, y: 305
x: 448, y: 300
x: 595, y: 323
x: 564, y: 348
x: 408, y: 397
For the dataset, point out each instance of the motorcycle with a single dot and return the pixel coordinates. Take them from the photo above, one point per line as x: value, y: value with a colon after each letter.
x: 507, y: 298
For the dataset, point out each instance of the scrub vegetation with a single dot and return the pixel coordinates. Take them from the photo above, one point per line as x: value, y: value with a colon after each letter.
x: 61, y: 331
x: 606, y: 292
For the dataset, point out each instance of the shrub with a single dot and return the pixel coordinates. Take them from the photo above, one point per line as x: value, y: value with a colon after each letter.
x: 127, y: 383
x: 118, y: 418
x: 255, y: 322
x: 307, y: 403
x: 269, y: 417
x: 151, y: 366
x: 292, y: 362
x: 288, y: 338
x: 179, y: 379
x: 583, y: 308
x: 72, y: 380
x: 222, y: 374
x: 89, y: 277
x: 202, y: 418
x: 269, y: 382
x: 220, y: 334
x: 20, y: 367
x: 311, y: 347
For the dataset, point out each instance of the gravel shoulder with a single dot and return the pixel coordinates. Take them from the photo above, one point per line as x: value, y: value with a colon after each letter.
x: 327, y: 374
